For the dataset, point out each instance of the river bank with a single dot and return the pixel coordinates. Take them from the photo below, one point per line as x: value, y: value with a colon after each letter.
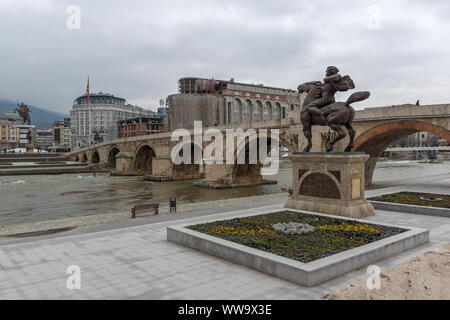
x: 58, y: 225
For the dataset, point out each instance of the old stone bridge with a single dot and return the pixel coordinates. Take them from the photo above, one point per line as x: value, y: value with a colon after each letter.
x: 376, y: 128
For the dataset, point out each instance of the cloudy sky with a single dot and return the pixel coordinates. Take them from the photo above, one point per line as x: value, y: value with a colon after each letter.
x: 399, y: 50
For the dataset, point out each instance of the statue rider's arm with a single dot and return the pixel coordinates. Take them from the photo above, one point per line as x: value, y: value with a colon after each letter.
x: 335, y: 77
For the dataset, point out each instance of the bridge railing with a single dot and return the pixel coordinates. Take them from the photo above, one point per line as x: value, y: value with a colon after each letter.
x: 167, y: 135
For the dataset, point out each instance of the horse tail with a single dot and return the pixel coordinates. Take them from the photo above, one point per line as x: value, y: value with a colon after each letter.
x: 357, y: 96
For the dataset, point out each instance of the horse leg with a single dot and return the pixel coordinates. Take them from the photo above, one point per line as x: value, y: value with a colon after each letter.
x: 306, y: 121
x: 340, y: 135
x: 351, y: 133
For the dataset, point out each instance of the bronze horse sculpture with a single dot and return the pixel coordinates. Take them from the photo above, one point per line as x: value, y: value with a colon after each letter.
x: 24, y: 113
x: 320, y: 107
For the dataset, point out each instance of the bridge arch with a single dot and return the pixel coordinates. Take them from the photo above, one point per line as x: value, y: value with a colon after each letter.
x: 375, y: 140
x: 143, y: 159
x: 111, y: 160
x: 281, y: 140
x: 84, y: 157
x: 95, y: 157
x: 243, y: 173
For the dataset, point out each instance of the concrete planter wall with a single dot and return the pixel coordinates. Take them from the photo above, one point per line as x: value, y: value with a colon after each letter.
x: 429, y: 211
x: 306, y: 274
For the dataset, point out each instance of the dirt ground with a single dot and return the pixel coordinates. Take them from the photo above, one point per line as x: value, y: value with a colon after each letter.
x: 426, y: 277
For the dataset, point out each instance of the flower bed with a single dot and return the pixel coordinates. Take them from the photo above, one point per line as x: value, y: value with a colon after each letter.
x: 416, y: 198
x: 330, y: 235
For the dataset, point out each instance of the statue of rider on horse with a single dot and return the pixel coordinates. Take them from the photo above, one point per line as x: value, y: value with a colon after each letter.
x: 24, y: 112
x: 321, y: 108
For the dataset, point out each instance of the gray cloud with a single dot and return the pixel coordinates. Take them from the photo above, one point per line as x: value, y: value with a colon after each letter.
x: 138, y: 49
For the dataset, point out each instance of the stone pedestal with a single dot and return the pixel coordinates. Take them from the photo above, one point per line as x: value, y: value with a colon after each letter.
x: 29, y: 148
x: 330, y: 183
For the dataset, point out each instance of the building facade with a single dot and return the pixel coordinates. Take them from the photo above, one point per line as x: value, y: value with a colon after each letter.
x: 44, y: 139
x: 220, y: 102
x: 9, y: 134
x: 141, y: 126
x: 61, y: 134
x: 97, y: 121
x: 418, y: 139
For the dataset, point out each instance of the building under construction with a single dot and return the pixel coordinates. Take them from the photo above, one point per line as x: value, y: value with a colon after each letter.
x: 201, y: 86
x: 226, y: 102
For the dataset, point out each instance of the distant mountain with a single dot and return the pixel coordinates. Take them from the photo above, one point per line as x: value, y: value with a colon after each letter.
x: 41, y: 118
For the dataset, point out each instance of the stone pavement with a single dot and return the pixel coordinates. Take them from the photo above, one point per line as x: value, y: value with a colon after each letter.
x: 136, y: 262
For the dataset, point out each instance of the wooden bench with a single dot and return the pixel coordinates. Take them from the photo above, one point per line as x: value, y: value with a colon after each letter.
x: 145, y: 208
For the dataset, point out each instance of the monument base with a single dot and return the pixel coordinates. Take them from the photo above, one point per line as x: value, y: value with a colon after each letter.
x: 29, y: 148
x: 360, y: 210
x: 330, y: 183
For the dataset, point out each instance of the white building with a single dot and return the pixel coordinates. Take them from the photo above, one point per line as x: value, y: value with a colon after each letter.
x: 44, y: 139
x: 97, y: 121
x: 23, y: 132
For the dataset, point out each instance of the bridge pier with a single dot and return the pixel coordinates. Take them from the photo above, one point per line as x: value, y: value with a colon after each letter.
x: 124, y: 164
x: 163, y: 169
x: 221, y: 176
x: 162, y: 166
x: 186, y: 172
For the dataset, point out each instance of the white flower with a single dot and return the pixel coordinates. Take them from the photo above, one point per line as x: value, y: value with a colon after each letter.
x: 293, y: 228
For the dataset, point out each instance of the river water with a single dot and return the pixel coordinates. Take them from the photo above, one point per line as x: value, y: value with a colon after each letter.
x: 31, y: 198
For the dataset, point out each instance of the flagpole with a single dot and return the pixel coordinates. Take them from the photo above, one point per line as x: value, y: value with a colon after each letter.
x: 89, y: 113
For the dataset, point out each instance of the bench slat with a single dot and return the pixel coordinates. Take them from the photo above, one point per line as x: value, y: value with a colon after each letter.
x: 144, y: 208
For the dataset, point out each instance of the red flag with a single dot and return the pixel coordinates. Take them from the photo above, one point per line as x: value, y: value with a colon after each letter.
x: 87, y: 91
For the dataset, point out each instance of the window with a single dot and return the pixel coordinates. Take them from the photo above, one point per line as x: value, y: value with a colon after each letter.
x: 236, y: 105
